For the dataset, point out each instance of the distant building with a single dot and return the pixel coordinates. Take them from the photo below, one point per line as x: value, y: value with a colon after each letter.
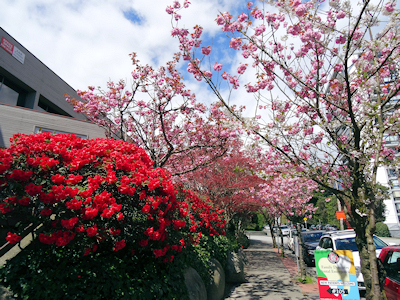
x: 32, y: 97
x: 388, y: 177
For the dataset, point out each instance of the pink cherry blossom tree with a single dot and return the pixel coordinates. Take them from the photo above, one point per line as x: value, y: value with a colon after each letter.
x: 232, y: 182
x: 285, y: 193
x: 160, y: 115
x: 326, y: 87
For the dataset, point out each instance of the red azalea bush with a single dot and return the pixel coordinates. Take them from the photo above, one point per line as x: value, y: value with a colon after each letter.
x: 99, y: 195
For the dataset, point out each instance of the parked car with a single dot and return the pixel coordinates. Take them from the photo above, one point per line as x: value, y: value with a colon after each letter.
x: 390, y: 258
x: 291, y: 239
x: 313, y: 227
x: 346, y: 240
x: 320, y: 227
x: 329, y: 227
x: 310, y: 242
x: 284, y: 228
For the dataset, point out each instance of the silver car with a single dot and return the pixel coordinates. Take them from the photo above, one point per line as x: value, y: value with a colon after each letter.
x: 284, y: 228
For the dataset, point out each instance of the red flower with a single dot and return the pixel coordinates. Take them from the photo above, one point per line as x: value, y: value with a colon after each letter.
x: 5, y: 208
x: 24, y: 201
x: 143, y: 243
x: 168, y: 259
x: 69, y: 224
x: 74, y: 204
x: 21, y: 175
x: 126, y: 190
x: 91, y: 231
x: 80, y: 228
x: 149, y: 231
x: 13, y: 238
x: 178, y: 224
x: 119, y: 245
x: 63, y: 238
x: 115, y: 232
x: 107, y: 213
x: 153, y: 183
x: 58, y: 179
x: 87, y: 251
x: 46, y: 211
x: 86, y: 193
x: 158, y: 252
x: 11, y: 200
x: 46, y: 239
x: 74, y: 179
x: 146, y: 208
x: 33, y: 189
x: 90, y: 213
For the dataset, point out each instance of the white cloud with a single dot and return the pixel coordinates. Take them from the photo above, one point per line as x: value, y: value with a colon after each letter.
x: 89, y: 42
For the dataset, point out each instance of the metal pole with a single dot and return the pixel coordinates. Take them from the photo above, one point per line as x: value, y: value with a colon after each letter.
x: 340, y: 209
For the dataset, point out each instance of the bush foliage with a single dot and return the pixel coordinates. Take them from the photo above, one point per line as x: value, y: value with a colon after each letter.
x: 107, y: 224
x: 382, y: 230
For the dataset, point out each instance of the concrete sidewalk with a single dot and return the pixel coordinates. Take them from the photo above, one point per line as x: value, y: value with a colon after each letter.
x: 268, y: 276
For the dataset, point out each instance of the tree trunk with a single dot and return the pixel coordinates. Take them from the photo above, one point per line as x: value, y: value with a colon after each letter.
x: 369, y: 261
x: 302, y: 265
x: 271, y: 228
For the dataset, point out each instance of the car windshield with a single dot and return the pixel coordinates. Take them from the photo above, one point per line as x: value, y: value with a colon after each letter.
x: 284, y: 227
x: 311, y: 236
x: 350, y: 244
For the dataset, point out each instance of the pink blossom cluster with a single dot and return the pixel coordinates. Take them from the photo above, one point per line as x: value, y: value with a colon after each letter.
x: 162, y: 115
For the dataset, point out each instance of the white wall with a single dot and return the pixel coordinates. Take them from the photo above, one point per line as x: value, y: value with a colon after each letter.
x: 15, y: 119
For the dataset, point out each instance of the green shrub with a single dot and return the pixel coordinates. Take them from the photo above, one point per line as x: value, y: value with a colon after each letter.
x: 256, y: 223
x: 38, y: 274
x: 382, y: 230
x: 239, y: 240
x: 198, y: 256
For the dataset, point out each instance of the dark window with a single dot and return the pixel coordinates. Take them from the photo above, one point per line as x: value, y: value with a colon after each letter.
x: 392, y: 265
x: 397, y: 207
x: 50, y: 107
x: 11, y: 93
x: 326, y: 243
x: 392, y: 172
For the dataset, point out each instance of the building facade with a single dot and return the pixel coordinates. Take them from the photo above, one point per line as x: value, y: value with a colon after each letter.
x: 32, y: 97
x: 390, y: 178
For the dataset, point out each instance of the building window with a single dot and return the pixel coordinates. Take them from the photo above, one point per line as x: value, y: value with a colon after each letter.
x: 11, y: 93
x: 50, y: 107
x: 392, y: 173
x: 41, y: 129
x: 390, y: 139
